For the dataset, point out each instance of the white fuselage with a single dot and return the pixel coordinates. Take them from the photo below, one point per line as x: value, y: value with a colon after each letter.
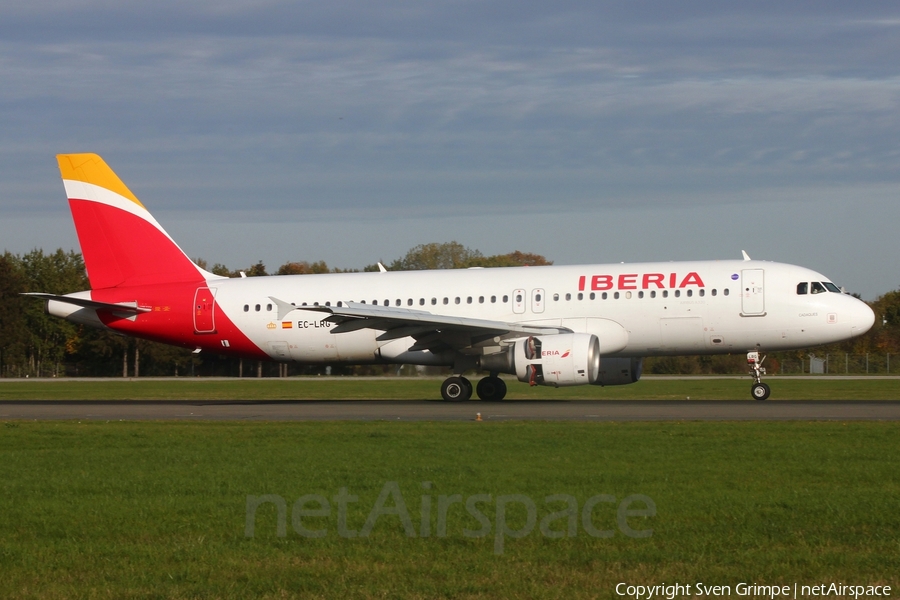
x: 637, y: 309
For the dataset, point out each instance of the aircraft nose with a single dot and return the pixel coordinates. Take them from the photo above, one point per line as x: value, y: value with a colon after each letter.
x: 863, y: 317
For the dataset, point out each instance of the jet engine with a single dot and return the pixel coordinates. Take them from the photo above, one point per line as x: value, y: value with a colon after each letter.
x: 555, y: 360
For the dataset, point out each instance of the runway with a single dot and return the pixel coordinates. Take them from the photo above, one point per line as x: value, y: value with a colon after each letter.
x: 417, y: 410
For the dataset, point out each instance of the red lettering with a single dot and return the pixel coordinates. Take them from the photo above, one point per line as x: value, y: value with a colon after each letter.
x: 672, y: 280
x: 656, y: 278
x: 581, y: 283
x: 692, y: 279
x: 601, y: 282
x: 626, y: 282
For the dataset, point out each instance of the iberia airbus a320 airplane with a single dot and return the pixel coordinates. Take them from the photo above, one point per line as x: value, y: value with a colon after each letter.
x: 553, y: 326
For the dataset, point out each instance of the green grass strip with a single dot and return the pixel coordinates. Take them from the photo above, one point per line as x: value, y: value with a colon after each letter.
x: 158, y: 510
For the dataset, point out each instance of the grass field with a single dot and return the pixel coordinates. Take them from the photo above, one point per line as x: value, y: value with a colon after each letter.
x: 158, y: 510
x: 783, y: 388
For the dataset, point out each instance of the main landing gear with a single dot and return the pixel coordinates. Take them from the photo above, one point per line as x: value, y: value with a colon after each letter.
x: 759, y: 390
x: 459, y: 389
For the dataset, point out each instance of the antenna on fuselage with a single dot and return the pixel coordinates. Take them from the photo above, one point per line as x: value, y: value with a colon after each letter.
x: 746, y: 256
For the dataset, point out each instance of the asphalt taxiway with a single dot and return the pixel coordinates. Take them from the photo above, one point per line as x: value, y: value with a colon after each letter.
x: 424, y: 410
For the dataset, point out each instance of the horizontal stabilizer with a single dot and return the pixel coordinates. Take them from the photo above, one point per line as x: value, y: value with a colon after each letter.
x: 125, y: 307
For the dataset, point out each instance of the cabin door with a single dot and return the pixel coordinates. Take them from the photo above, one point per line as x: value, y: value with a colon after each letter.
x: 753, y: 298
x: 205, y: 310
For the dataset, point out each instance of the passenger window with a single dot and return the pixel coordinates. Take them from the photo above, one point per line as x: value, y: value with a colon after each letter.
x: 802, y: 288
x: 505, y: 298
x: 702, y: 293
x: 409, y: 302
x: 269, y: 307
x: 399, y: 302
x: 257, y: 308
x: 433, y: 301
x: 817, y: 288
x: 328, y: 303
x: 493, y: 299
x: 725, y: 291
x: 616, y: 295
x: 580, y: 296
x: 340, y: 304
x: 690, y: 293
x: 628, y: 295
x: 678, y: 293
x: 374, y: 302
x: 518, y: 298
x: 480, y: 299
x: 469, y: 300
x: 665, y: 293
x: 456, y: 300
x: 387, y: 302
x: 446, y: 300
x: 640, y: 294
x: 605, y: 296
x: 537, y: 297
x: 653, y: 293
x: 714, y: 292
x: 556, y: 297
x: 568, y: 296
x: 246, y: 308
x: 593, y: 296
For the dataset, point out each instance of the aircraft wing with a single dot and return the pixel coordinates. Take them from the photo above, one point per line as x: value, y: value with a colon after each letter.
x: 431, y: 331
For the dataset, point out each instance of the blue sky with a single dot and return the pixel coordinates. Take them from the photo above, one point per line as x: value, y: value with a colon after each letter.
x: 351, y: 131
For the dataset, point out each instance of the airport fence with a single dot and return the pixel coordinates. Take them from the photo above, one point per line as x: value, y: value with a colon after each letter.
x: 840, y: 364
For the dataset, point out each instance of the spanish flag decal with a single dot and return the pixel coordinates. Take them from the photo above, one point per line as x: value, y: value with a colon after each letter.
x: 287, y: 324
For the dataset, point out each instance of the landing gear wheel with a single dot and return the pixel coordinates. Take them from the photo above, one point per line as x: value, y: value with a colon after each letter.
x: 456, y: 389
x: 760, y: 391
x: 491, y: 389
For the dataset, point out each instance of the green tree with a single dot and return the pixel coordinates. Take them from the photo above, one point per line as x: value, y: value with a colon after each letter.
x: 303, y: 268
x: 513, y: 259
x: 449, y: 255
x: 13, y: 330
x: 50, y: 337
x: 257, y: 270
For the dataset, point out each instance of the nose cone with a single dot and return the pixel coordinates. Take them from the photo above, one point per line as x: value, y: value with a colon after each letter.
x: 862, y: 318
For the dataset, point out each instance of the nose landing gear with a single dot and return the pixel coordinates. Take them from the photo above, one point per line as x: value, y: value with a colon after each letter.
x: 759, y: 390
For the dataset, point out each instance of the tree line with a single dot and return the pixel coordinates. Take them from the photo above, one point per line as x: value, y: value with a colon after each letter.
x: 33, y: 344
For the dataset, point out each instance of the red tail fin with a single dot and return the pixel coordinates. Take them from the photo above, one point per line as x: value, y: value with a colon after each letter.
x: 121, y: 242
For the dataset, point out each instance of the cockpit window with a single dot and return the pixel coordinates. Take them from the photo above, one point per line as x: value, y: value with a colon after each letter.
x: 802, y: 288
x: 831, y: 287
x: 818, y: 288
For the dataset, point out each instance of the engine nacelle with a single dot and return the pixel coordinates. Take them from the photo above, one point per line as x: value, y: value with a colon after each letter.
x: 557, y: 360
x: 619, y: 371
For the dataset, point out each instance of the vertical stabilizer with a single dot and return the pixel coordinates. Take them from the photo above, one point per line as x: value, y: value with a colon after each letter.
x: 121, y: 242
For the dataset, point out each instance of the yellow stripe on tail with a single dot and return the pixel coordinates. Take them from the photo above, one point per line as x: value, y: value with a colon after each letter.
x: 90, y: 168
